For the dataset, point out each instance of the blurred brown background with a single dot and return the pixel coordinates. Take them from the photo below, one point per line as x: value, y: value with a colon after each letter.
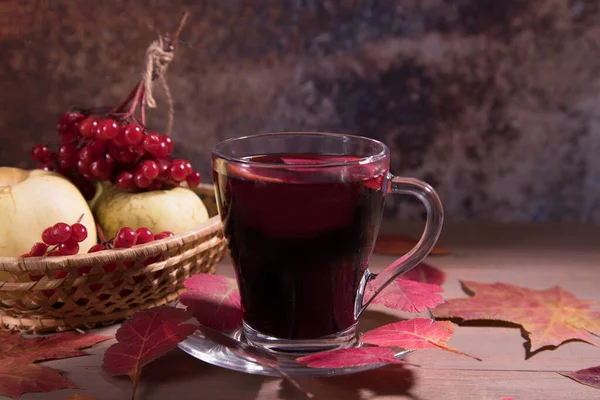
x: 495, y: 103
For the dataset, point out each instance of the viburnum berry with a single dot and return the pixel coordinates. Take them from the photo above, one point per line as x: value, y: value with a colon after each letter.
x: 98, y: 148
x: 68, y: 123
x: 144, y: 235
x: 61, y: 232
x: 168, y: 143
x: 40, y: 153
x: 61, y: 274
x: 125, y: 180
x: 97, y: 247
x: 79, y: 232
x: 119, y: 140
x: 108, y: 129
x: 89, y: 127
x: 163, y: 235
x: 194, y: 179
x: 101, y: 169
x: 133, y: 134
x: 86, y: 155
x: 38, y: 249
x: 178, y: 170
x: 161, y: 151
x: 69, y: 247
x: 125, y: 238
x: 48, y: 238
x: 152, y: 143
x: 141, y: 181
x: 150, y: 169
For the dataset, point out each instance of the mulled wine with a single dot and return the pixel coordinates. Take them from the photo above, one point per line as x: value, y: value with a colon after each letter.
x: 300, y: 239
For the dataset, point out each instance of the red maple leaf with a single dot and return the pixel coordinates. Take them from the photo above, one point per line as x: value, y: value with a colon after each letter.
x: 589, y: 376
x: 350, y: 357
x: 418, y: 333
x: 148, y: 335
x: 399, y: 245
x: 550, y: 317
x: 214, y: 300
x: 19, y: 375
x: 408, y: 296
x: 425, y: 273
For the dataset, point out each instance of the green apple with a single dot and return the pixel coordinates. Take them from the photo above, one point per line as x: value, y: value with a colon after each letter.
x: 176, y: 210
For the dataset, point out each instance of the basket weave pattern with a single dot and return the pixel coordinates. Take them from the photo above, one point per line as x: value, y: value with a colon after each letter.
x: 88, y: 296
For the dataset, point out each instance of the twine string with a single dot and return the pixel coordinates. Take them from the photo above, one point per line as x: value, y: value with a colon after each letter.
x: 157, y: 62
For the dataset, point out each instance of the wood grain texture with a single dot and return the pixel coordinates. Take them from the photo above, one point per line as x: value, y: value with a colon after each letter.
x: 537, y: 256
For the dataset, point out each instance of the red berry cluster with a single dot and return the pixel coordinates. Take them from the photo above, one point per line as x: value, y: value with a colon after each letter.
x: 127, y: 237
x: 113, y: 148
x: 61, y: 239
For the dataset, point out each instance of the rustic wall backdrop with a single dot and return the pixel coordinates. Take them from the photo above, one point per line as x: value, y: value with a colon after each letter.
x: 495, y: 103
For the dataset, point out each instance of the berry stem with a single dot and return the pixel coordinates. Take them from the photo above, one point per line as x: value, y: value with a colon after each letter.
x: 137, y: 95
x: 121, y: 106
x: 139, y: 123
x: 136, y: 99
x: 171, y: 45
x: 143, y: 109
x: 101, y: 234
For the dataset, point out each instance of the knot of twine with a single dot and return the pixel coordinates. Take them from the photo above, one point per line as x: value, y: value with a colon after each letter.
x: 157, y: 62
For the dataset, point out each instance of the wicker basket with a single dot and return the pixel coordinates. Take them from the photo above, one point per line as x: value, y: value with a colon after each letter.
x: 145, y: 276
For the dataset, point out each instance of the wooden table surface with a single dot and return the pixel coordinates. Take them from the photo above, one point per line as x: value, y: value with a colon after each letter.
x: 536, y: 256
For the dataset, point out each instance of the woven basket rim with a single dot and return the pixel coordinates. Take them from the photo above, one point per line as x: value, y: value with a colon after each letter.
x: 38, y: 264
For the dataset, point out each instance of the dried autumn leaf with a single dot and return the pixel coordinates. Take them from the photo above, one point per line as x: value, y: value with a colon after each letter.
x: 19, y: 375
x: 214, y: 300
x: 77, y: 396
x: 408, y: 296
x: 64, y: 345
x: 148, y: 335
x: 414, y: 334
x: 589, y: 376
x: 550, y: 316
x: 350, y: 358
x: 399, y: 245
x: 17, y: 378
x: 425, y: 273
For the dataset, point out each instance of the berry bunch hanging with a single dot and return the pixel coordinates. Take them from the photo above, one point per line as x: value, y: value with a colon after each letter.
x: 116, y: 145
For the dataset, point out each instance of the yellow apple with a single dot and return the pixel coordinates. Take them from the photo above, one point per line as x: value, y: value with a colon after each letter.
x: 175, y: 210
x: 31, y: 201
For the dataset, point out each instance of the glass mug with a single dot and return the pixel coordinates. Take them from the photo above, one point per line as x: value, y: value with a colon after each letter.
x: 301, y: 212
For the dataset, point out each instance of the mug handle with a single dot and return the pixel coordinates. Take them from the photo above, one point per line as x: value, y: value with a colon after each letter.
x: 433, y: 228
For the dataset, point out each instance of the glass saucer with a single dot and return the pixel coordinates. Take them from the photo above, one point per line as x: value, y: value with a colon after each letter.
x: 207, y: 350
